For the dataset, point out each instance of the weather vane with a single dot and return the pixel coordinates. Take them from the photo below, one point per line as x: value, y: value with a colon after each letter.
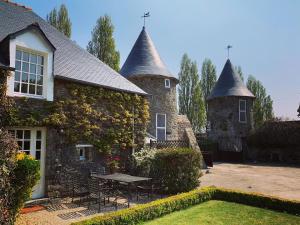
x: 147, y: 14
x: 228, y: 48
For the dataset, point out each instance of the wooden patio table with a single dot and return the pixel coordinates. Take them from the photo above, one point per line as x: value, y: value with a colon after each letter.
x: 123, y: 178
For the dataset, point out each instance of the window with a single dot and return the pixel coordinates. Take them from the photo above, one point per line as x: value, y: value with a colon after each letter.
x: 29, y: 141
x: 161, y: 126
x: 84, y: 152
x: 242, y: 111
x: 29, y: 73
x: 167, y: 83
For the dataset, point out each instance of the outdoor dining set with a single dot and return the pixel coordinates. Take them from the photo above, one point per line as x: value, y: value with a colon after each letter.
x: 100, y: 188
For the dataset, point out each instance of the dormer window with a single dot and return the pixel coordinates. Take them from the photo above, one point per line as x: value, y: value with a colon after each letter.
x: 29, y: 73
x: 242, y: 111
x: 167, y: 83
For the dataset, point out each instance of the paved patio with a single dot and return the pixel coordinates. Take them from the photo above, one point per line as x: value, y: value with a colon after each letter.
x: 276, y: 180
x: 66, y: 212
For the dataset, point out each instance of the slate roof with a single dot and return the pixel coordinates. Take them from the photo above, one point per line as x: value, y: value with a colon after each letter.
x: 71, y: 62
x: 229, y: 84
x: 144, y: 59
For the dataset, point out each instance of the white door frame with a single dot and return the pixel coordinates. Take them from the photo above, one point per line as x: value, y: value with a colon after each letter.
x: 39, y: 188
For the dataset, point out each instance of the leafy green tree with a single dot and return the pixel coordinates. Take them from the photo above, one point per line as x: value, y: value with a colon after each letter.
x: 263, y: 104
x: 238, y: 69
x: 208, y: 77
x: 191, y: 102
x: 61, y: 20
x: 102, y: 44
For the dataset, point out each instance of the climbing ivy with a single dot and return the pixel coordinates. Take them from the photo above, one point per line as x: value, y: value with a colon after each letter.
x: 95, y: 115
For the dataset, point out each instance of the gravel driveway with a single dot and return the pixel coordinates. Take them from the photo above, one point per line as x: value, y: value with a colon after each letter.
x: 276, y: 180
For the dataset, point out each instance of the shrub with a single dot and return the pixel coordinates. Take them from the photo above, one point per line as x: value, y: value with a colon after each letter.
x: 26, y: 175
x: 179, y: 169
x: 143, y: 161
x: 158, y: 208
x: 18, y: 174
x: 8, y: 151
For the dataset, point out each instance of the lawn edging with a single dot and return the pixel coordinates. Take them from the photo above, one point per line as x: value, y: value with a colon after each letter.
x: 178, y: 202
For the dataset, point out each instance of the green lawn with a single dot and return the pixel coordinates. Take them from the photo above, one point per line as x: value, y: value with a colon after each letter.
x: 225, y: 213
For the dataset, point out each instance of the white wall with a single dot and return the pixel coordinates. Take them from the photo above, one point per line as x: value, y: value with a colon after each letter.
x: 33, y: 41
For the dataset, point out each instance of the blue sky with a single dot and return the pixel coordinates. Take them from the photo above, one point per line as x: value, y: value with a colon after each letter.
x: 265, y: 35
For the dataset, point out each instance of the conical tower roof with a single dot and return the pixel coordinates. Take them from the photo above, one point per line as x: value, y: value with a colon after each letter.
x: 144, y: 59
x: 229, y: 84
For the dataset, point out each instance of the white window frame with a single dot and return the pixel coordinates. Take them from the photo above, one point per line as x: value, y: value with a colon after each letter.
x: 167, y: 83
x: 84, y: 148
x: 242, y: 111
x: 165, y: 127
x: 45, y: 66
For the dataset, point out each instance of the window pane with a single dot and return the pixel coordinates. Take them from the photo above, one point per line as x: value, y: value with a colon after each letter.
x: 32, y: 68
x: 243, y: 105
x: 38, y: 134
x: 19, y: 134
x: 39, y: 90
x: 17, y: 76
x: 161, y: 134
x: 27, y: 134
x: 18, y: 65
x: 25, y: 67
x: 39, y: 70
x: 37, y: 155
x: 26, y: 56
x: 40, y: 60
x: 161, y: 122
x: 33, y: 58
x: 38, y: 145
x: 20, y: 145
x: 39, y: 80
x: 32, y: 78
x: 18, y: 55
x: 17, y: 87
x: 25, y: 77
x: 32, y: 89
x: 26, y: 145
x: 242, y: 116
x: 27, y: 152
x: 24, y: 88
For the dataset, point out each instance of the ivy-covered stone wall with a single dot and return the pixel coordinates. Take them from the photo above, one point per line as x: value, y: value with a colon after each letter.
x: 104, y: 118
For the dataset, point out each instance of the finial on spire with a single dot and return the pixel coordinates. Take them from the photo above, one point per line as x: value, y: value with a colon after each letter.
x: 147, y: 14
x: 228, y: 48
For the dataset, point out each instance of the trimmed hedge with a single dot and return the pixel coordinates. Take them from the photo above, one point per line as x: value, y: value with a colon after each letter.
x: 177, y: 168
x: 178, y: 202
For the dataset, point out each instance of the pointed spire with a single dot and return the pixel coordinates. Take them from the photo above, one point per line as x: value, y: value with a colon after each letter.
x: 144, y: 59
x: 229, y: 84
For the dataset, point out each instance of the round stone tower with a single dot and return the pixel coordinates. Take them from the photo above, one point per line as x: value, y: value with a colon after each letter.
x: 145, y: 68
x: 230, y: 110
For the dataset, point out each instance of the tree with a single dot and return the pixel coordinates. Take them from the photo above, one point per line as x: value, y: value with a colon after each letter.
x: 263, y: 104
x: 102, y: 44
x: 238, y: 69
x: 191, y: 102
x: 298, y: 111
x: 60, y: 20
x: 208, y: 77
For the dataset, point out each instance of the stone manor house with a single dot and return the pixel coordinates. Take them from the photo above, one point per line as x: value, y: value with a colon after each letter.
x: 43, y: 66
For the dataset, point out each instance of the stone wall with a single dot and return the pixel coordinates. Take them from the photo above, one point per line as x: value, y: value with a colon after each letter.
x: 225, y: 128
x: 162, y: 100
